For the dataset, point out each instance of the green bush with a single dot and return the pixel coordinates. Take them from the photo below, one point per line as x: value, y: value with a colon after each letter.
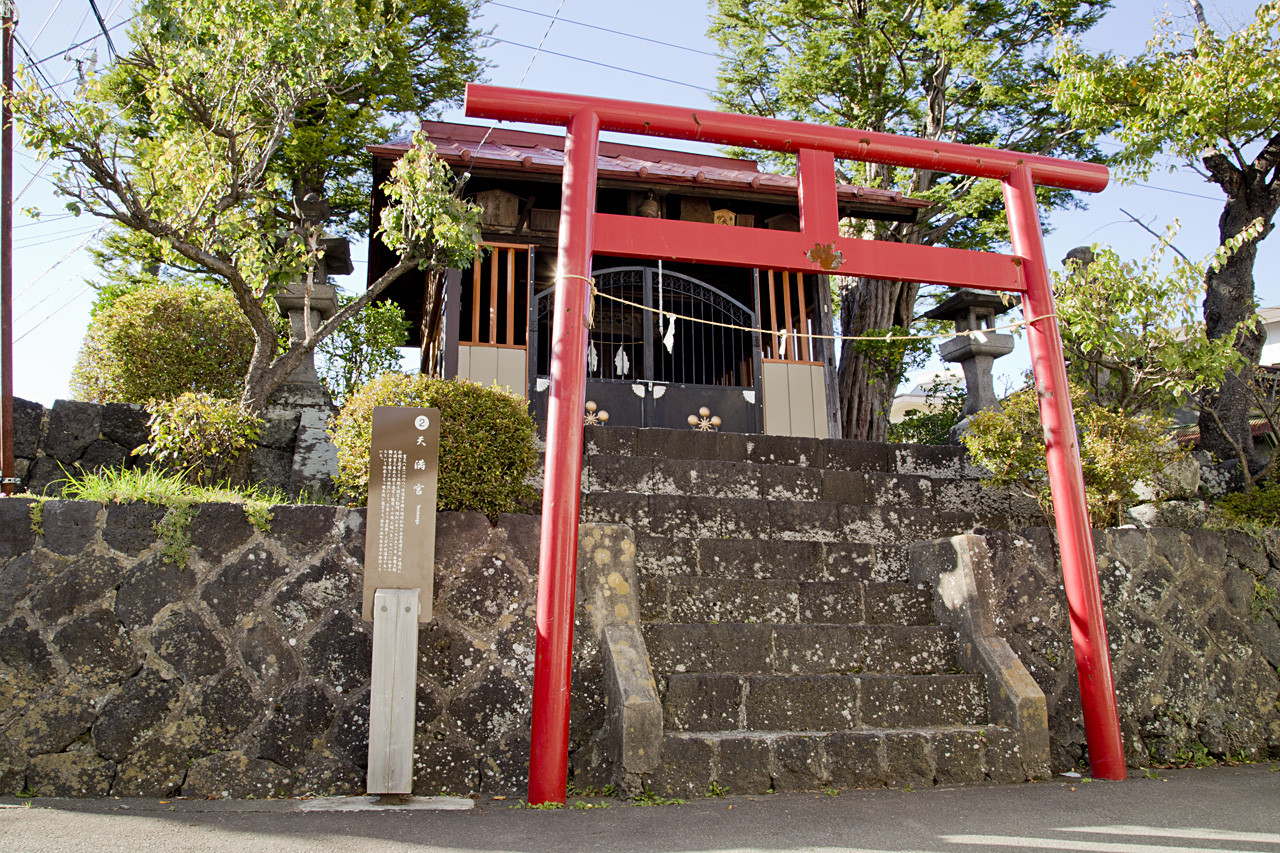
x: 1117, y: 450
x: 200, y: 435
x: 156, y: 342
x: 1260, y: 506
x: 486, y: 441
x: 931, y: 427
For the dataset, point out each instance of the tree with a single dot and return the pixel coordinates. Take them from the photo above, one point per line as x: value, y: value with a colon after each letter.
x: 1135, y: 353
x: 157, y: 342
x: 363, y: 349
x: 196, y: 140
x: 974, y: 73
x: 1213, y: 102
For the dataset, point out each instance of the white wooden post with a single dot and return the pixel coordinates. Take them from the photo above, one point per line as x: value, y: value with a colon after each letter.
x: 393, y: 689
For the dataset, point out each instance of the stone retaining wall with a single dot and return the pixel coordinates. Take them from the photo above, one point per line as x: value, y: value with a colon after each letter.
x: 1195, y: 643
x: 221, y: 660
x: 293, y: 454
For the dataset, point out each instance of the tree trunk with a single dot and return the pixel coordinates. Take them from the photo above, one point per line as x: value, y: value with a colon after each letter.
x: 869, y: 374
x: 1229, y: 299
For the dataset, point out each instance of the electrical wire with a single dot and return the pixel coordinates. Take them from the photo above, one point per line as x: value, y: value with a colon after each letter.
x: 602, y: 64
x: 606, y: 30
x: 55, y: 265
x: 67, y: 281
x: 50, y: 315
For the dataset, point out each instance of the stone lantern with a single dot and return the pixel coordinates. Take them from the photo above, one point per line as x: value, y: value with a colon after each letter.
x: 974, y: 311
x: 303, y: 386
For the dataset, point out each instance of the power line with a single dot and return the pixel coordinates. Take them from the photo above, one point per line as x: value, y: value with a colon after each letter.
x: 50, y: 315
x: 89, y: 40
x: 606, y: 30
x: 54, y: 266
x: 69, y: 280
x: 102, y: 25
x: 604, y: 65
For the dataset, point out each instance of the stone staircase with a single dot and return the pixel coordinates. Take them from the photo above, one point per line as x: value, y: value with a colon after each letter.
x: 790, y: 648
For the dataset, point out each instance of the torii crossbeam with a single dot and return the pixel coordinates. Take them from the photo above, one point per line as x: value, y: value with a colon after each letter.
x: 817, y: 248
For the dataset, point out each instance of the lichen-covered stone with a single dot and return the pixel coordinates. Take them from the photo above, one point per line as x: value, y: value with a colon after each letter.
x: 497, y: 706
x: 130, y: 714
x: 69, y: 526
x: 96, y: 648
x: 314, y: 591
x: 271, y: 661
x: 131, y: 528
x: 326, y: 774
x: 446, y: 655
x: 221, y: 709
x: 82, y: 582
x: 153, y: 768
x: 149, y: 587
x: 191, y: 647
x: 340, y: 652
x: 237, y: 587
x: 296, y: 724
x: 486, y: 587
x: 446, y: 764
x: 50, y: 724
x: 70, y: 774
x: 234, y: 775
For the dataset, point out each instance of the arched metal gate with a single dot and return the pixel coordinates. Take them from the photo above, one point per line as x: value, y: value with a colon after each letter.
x: 648, y: 369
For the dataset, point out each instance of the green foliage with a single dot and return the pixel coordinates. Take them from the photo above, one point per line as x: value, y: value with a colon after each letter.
x: 1188, y: 94
x: 175, y: 542
x: 226, y: 114
x: 1263, y: 602
x: 363, y: 348
x: 1254, y: 509
x: 1133, y: 334
x: 486, y: 441
x: 923, y: 426
x: 1117, y: 450
x: 200, y: 435
x: 715, y: 789
x: 160, y: 341
x: 649, y: 798
x: 973, y: 73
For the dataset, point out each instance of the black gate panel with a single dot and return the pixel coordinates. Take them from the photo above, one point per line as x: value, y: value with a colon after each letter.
x: 660, y: 350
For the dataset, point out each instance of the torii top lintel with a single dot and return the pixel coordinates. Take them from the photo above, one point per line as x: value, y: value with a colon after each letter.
x: 818, y: 247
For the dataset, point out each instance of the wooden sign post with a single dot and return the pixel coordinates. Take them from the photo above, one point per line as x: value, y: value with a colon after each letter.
x: 400, y: 541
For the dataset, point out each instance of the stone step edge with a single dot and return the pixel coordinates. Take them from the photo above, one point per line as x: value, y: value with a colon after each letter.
x: 733, y: 762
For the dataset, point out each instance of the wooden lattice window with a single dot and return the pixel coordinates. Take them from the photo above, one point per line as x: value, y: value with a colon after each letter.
x: 495, y: 303
x: 788, y: 319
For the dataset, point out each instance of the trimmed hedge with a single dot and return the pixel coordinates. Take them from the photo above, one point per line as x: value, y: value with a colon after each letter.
x: 486, y: 441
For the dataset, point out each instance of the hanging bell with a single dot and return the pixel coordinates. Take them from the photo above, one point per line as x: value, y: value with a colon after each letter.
x: 649, y: 207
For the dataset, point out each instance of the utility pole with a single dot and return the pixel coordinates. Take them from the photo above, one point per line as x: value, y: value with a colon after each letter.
x: 8, y: 470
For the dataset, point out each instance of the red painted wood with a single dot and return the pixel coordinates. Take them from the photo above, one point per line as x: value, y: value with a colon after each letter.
x: 507, y: 104
x: 704, y: 242
x: 1062, y: 453
x: 557, y: 569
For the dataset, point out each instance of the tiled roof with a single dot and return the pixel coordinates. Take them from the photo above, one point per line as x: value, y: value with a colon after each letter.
x: 467, y: 146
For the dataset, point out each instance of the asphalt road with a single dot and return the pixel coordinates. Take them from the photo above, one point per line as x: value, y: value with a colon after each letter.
x: 1218, y: 808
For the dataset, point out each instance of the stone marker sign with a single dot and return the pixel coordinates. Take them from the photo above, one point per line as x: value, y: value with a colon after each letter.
x: 400, y: 538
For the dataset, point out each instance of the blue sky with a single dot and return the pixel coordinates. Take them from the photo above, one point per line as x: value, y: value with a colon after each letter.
x: 51, y: 269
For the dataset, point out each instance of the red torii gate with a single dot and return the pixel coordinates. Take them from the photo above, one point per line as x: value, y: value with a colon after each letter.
x: 818, y: 247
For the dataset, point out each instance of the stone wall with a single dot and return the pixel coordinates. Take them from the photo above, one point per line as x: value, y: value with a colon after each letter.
x: 1195, y: 643
x: 222, y: 660
x: 293, y: 454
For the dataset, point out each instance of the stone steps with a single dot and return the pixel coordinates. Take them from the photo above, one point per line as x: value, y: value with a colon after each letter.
x: 790, y: 649
x: 735, y: 647
x: 719, y: 702
x: 695, y: 517
x: 811, y: 761
x: 703, y: 599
